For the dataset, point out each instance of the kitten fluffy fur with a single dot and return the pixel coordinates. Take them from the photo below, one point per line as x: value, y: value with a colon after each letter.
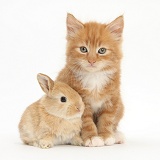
x: 93, y: 70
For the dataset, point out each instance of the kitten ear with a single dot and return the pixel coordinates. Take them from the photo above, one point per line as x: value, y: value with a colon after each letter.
x: 116, y: 28
x: 45, y: 82
x: 73, y: 25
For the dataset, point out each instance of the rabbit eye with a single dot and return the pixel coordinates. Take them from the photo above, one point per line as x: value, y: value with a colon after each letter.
x: 63, y: 99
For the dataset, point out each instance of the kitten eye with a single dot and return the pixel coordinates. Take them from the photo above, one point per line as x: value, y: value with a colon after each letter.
x: 63, y: 99
x: 102, y: 50
x: 83, y: 49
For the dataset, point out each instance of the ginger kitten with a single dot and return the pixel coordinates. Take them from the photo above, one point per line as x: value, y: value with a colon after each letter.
x: 93, y: 70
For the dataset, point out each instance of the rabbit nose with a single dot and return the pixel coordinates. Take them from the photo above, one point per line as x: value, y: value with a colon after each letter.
x: 78, y: 108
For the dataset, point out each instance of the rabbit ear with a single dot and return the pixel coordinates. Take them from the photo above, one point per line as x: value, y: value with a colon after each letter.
x: 45, y: 82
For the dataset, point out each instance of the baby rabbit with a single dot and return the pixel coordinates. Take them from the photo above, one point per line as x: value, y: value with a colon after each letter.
x: 55, y: 118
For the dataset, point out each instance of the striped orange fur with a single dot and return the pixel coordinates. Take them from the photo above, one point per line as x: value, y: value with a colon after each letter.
x: 93, y: 70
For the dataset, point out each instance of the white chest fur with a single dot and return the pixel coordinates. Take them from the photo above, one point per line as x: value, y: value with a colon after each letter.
x: 95, y: 80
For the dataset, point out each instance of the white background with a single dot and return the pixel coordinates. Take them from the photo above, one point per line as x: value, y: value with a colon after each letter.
x: 32, y: 40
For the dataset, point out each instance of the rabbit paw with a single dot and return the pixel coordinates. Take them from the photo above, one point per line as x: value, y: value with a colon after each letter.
x: 45, y: 144
x: 77, y: 141
x: 94, y: 142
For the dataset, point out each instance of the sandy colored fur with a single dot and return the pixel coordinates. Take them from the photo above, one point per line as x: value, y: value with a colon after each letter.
x: 49, y: 122
x: 37, y: 124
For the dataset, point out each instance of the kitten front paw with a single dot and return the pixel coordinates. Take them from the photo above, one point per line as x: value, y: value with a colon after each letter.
x: 45, y: 144
x: 109, y: 141
x: 94, y: 142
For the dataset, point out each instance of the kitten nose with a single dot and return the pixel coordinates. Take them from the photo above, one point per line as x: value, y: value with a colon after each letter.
x: 91, y: 61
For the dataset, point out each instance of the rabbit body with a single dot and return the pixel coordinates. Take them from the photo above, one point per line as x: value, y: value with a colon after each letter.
x: 52, y: 120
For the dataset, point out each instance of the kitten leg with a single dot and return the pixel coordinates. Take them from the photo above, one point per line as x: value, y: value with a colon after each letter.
x: 89, y: 130
x: 108, y: 119
x: 105, y: 127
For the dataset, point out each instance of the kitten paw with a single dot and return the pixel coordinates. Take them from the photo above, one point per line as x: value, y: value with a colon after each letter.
x: 94, y: 142
x: 120, y: 138
x: 45, y: 144
x: 109, y: 141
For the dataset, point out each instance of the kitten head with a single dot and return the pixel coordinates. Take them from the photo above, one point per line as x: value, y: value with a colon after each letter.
x: 93, y: 46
